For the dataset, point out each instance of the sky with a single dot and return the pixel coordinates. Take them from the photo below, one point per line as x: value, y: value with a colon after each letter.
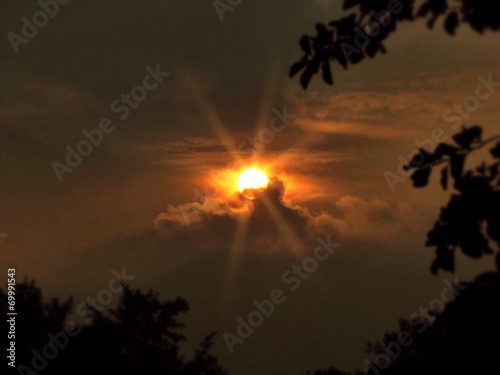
x: 157, y: 195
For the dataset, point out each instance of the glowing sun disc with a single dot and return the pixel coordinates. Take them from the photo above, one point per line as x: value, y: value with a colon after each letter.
x: 251, y: 182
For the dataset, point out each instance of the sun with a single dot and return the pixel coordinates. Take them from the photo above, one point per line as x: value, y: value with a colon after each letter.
x: 252, y: 182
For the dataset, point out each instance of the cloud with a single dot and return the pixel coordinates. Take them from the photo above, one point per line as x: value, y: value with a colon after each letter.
x: 357, y: 219
x: 369, y: 114
x: 401, y: 107
x: 269, y: 223
x: 274, y: 224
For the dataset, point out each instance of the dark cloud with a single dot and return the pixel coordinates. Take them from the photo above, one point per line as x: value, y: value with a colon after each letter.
x: 273, y: 224
x: 270, y: 225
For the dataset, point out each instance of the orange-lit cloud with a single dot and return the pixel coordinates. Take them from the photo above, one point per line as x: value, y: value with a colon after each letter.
x: 356, y: 219
x: 399, y: 108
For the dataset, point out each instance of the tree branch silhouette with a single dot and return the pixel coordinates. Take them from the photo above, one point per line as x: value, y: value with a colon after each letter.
x: 352, y: 38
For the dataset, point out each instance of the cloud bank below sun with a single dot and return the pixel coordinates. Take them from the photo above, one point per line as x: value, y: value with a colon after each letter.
x: 275, y: 224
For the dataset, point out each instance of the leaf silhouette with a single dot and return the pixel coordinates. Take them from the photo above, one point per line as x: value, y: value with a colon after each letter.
x: 445, y: 260
x: 421, y: 158
x: 305, y: 45
x: 478, y: 15
x: 457, y: 166
x: 297, y: 67
x: 432, y: 21
x: 421, y: 177
x: 495, y: 151
x: 339, y: 56
x: 451, y: 23
x: 435, y: 266
x: 311, y: 68
x: 443, y: 149
x: 345, y: 25
x: 327, y: 73
x: 494, y: 169
x: 468, y: 136
x: 482, y: 168
x: 424, y: 10
x: 322, y: 32
x: 444, y: 178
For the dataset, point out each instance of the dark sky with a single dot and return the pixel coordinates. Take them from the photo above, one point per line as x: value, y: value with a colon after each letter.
x: 120, y: 206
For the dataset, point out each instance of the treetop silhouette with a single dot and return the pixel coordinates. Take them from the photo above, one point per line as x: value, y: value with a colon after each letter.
x: 141, y: 335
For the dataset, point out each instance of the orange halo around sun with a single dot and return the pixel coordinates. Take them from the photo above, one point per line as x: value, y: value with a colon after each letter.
x: 251, y: 182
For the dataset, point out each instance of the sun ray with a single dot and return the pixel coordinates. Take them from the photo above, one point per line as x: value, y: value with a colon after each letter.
x: 295, y: 245
x: 269, y: 95
x: 212, y: 116
x: 233, y: 265
x: 282, y: 225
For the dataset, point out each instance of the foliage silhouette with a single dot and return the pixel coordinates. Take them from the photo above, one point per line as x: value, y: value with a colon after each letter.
x: 37, y: 320
x: 138, y: 336
x: 472, y: 216
x: 339, y: 40
x: 461, y: 339
x: 460, y: 224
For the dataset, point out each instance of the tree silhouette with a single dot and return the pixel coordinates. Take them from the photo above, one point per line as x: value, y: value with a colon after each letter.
x: 138, y: 336
x: 471, y: 218
x: 38, y: 318
x: 462, y: 338
x: 328, y: 371
x: 362, y: 33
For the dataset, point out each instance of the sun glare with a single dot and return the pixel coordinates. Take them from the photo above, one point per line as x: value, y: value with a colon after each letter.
x: 251, y: 182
